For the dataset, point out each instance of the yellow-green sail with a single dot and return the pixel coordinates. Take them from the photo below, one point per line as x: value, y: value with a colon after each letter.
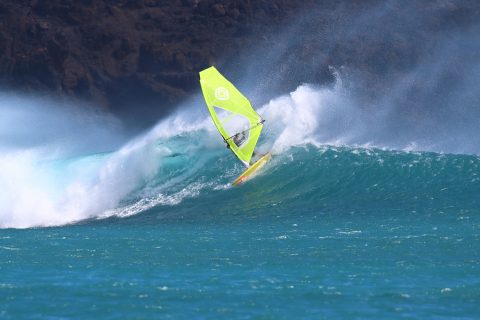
x: 232, y: 113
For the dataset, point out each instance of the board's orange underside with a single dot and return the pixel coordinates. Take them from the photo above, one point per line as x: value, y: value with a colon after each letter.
x: 250, y: 172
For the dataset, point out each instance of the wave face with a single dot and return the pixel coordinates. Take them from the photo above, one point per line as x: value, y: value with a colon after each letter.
x: 328, y: 156
x: 346, y: 213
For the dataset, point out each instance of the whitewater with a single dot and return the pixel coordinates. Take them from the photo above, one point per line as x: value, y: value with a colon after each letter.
x: 182, y: 157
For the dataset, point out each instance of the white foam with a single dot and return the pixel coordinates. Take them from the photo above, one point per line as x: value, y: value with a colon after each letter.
x: 313, y: 115
x: 150, y: 202
x: 39, y: 191
x: 36, y: 191
x: 334, y: 116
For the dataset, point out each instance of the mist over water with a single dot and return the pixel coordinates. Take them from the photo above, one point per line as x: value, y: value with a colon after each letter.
x: 36, y: 122
x: 397, y: 74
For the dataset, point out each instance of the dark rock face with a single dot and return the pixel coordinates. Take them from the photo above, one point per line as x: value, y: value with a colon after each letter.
x: 125, y: 53
x: 143, y: 56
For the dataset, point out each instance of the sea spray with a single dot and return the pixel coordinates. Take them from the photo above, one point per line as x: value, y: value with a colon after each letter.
x: 182, y: 156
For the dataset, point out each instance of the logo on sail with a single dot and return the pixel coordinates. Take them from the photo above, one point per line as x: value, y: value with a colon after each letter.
x: 222, y: 94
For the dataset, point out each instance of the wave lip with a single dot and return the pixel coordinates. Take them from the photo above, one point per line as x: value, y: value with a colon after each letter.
x: 183, y: 160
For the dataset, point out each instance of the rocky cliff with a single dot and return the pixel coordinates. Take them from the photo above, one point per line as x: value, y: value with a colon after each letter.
x: 118, y: 53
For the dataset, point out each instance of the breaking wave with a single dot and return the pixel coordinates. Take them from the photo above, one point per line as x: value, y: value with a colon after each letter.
x: 327, y: 151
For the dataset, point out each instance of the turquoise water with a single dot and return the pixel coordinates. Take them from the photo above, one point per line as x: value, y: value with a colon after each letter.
x: 322, y: 233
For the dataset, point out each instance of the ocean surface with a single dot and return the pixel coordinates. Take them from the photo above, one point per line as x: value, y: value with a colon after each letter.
x: 153, y: 229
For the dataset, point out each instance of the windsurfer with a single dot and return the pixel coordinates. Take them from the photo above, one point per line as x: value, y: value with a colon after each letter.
x: 239, y: 138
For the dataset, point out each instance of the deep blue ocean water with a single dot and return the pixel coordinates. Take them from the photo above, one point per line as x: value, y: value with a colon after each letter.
x: 322, y: 233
